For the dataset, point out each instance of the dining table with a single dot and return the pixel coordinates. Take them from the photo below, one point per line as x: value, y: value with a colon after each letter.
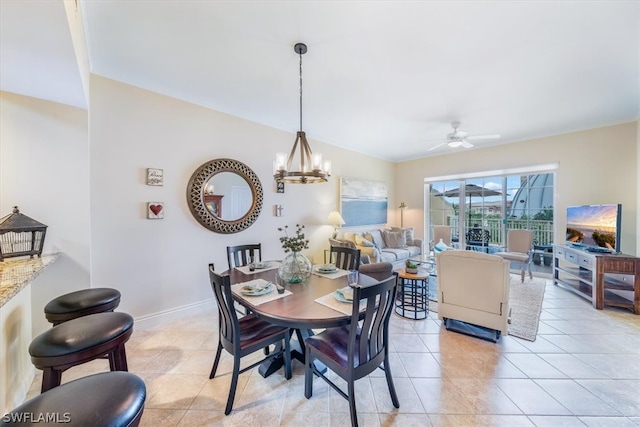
x: 302, y: 307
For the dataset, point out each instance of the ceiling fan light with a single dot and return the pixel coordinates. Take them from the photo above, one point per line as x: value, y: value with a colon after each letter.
x: 455, y: 143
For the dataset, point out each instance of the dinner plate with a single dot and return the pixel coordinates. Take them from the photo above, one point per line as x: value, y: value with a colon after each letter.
x: 344, y: 295
x: 256, y: 289
x: 327, y: 268
x: 261, y: 265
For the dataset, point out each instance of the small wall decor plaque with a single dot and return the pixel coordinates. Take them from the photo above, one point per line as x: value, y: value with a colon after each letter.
x: 280, y: 187
x: 155, y: 176
x: 155, y: 210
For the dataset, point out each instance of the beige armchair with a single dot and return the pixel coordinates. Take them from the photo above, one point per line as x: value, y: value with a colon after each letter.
x: 519, y: 248
x: 473, y: 287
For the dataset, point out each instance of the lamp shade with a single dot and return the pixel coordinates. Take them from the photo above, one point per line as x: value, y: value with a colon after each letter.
x: 335, y: 219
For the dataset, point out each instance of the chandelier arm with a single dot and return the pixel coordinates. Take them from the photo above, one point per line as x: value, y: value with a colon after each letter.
x: 305, y: 153
x: 293, y: 152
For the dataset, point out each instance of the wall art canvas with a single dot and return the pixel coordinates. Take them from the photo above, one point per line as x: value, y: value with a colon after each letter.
x: 363, y: 202
x: 155, y: 210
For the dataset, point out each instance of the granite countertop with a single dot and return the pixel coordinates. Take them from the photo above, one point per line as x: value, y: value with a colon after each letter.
x: 15, y: 274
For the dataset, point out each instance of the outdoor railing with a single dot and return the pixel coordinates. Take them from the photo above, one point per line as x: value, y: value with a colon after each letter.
x: 542, y: 229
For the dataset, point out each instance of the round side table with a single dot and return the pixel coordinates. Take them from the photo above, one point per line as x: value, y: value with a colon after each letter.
x: 412, y: 299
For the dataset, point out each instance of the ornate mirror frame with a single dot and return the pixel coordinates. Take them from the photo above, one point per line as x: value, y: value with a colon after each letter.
x: 195, y: 195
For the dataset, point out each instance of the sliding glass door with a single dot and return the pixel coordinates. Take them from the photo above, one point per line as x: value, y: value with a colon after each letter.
x: 481, y: 210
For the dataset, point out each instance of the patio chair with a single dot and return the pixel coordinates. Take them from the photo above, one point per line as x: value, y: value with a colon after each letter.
x: 353, y: 352
x: 478, y: 239
x: 442, y: 232
x: 519, y: 248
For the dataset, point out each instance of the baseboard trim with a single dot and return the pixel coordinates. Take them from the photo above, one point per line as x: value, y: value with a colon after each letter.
x: 176, y: 313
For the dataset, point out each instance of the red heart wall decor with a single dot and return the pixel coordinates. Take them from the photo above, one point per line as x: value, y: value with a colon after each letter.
x: 156, y: 209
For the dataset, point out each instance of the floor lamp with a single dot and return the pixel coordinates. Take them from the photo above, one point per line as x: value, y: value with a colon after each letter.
x: 402, y: 208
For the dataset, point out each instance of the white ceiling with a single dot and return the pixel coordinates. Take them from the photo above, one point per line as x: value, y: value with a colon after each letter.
x: 380, y: 77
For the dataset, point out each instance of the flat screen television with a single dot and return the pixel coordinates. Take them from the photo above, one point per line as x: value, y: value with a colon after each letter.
x: 595, y: 227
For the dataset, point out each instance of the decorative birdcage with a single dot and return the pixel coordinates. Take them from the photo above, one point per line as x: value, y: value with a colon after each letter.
x: 20, y: 236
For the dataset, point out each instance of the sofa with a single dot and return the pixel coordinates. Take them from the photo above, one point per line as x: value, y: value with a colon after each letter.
x: 394, y: 245
x: 473, y: 287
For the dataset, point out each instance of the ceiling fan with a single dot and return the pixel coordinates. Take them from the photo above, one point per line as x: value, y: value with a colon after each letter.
x: 460, y: 138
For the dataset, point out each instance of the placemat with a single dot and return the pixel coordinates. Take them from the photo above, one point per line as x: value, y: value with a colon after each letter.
x: 261, y: 299
x: 335, y: 275
x: 331, y: 302
x: 245, y: 268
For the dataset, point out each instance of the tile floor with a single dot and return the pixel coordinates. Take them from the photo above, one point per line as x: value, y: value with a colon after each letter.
x: 583, y: 369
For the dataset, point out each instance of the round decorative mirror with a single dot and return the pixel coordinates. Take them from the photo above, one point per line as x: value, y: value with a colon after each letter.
x: 225, y: 196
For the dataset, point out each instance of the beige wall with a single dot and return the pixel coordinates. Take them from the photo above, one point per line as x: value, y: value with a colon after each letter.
x: 160, y: 265
x: 44, y: 169
x: 594, y: 166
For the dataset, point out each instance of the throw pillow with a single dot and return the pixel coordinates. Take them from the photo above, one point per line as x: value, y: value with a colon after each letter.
x: 361, y: 241
x: 408, y: 233
x: 395, y: 239
x: 376, y: 237
x: 350, y: 236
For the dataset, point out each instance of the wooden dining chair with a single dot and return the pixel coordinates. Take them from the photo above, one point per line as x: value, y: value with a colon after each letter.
x: 243, y: 336
x: 345, y: 258
x: 354, y: 351
x: 238, y: 256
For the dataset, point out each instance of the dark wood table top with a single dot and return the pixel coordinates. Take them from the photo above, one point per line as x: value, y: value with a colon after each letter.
x: 299, y: 310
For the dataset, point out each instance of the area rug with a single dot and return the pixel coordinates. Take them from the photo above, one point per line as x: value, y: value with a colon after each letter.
x: 525, y: 301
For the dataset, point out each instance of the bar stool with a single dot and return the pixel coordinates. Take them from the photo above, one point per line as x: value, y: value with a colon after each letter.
x: 79, y: 341
x: 105, y: 399
x: 81, y: 303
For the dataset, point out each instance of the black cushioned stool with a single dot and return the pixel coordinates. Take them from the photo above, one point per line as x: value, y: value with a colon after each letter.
x: 105, y: 399
x: 81, y: 303
x: 79, y: 341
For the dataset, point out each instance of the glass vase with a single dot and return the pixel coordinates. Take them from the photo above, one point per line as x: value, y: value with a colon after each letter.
x: 295, y: 268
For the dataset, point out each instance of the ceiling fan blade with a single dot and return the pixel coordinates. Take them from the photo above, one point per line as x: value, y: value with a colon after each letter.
x: 436, y: 146
x: 496, y: 136
x: 466, y: 144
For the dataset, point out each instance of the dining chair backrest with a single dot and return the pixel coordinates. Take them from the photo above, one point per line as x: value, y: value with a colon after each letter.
x: 228, y: 319
x: 369, y: 336
x: 238, y: 256
x: 345, y: 258
x: 520, y: 241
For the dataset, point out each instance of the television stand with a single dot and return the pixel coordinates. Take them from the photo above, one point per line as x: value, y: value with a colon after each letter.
x: 598, y: 277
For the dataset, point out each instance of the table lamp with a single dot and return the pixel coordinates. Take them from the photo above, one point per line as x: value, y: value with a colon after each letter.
x: 336, y: 220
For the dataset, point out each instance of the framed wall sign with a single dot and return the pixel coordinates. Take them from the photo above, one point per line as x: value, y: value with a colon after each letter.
x: 155, y: 176
x: 155, y: 210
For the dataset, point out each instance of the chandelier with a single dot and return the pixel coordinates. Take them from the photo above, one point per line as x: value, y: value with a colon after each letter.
x: 311, y: 168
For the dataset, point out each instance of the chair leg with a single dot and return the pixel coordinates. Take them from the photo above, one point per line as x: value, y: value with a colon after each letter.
x: 352, y: 403
x: 50, y: 378
x: 530, y: 273
x: 234, y: 384
x: 522, y: 273
x: 215, y: 362
x: 308, y: 375
x: 392, y: 388
x: 118, y: 359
